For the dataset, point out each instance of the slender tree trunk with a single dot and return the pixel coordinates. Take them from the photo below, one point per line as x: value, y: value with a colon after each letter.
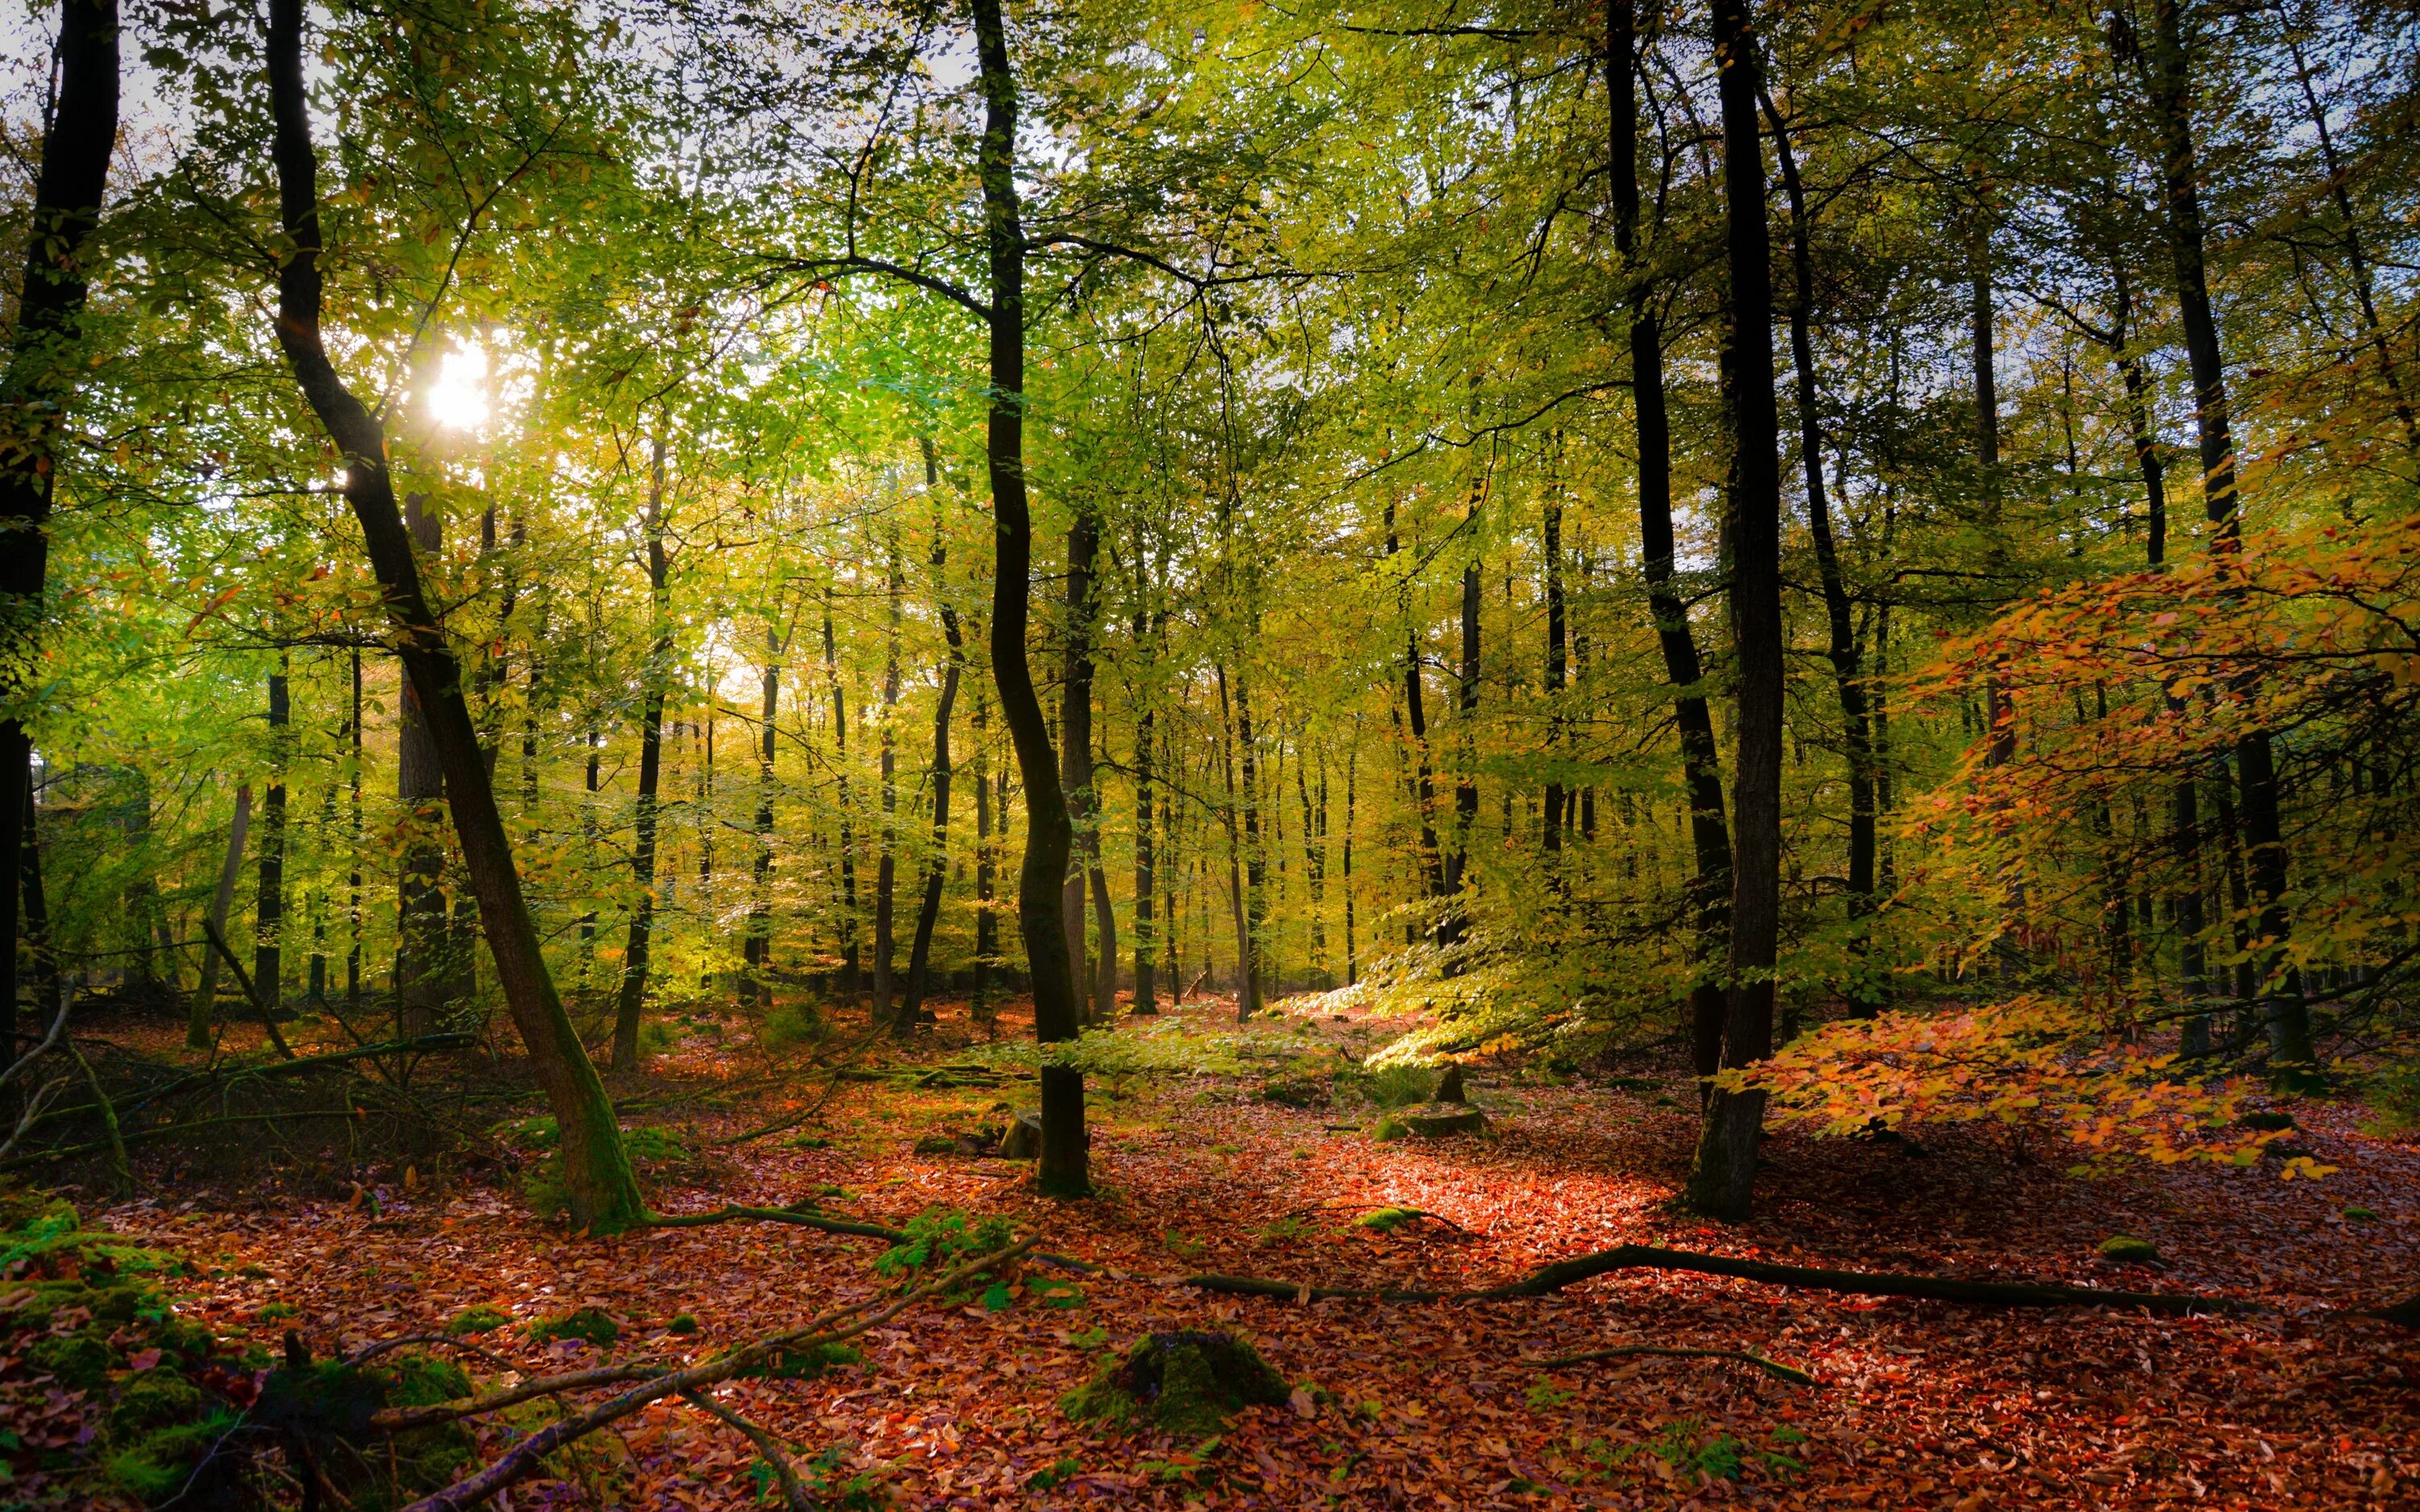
x: 1702, y: 773
x: 206, y: 991
x: 1063, y: 1167
x: 2284, y: 1012
x: 1075, y: 773
x: 637, y: 953
x: 886, y: 865
x: 268, y: 928
x: 1256, y: 865
x: 1550, y: 824
x: 1247, y: 973
x: 756, y: 950
x: 848, y: 957
x: 1352, y: 764
x: 1315, y: 867
x: 1465, y: 783
x: 34, y: 391
x: 1415, y: 714
x: 987, y: 918
x: 1723, y: 1173
x: 354, y: 875
x: 936, y: 867
x: 1864, y: 998
x: 604, y: 1194
x: 420, y: 788
x: 1146, y: 985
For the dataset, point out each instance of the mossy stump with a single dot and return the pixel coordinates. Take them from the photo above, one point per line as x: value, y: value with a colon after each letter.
x: 1436, y: 1121
x: 1186, y: 1384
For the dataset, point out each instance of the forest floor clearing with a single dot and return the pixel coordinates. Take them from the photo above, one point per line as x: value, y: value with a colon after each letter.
x: 1918, y: 1404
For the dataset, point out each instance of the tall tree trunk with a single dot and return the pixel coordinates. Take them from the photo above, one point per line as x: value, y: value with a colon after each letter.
x: 1415, y: 714
x: 604, y: 1193
x: 1256, y: 865
x: 269, y: 920
x: 654, y: 677
x: 987, y: 918
x: 206, y: 990
x: 1076, y: 774
x: 936, y: 867
x: 1701, y: 774
x: 2285, y: 1014
x: 1865, y: 997
x: 34, y: 393
x: 1723, y: 1173
x: 1063, y: 1167
x: 1351, y: 763
x: 886, y: 865
x: 1146, y: 984
x: 420, y: 788
x: 360, y: 840
x: 756, y: 950
x: 848, y: 957
x: 1246, y: 970
x: 1466, y: 783
x: 1550, y: 824
x: 1314, y: 866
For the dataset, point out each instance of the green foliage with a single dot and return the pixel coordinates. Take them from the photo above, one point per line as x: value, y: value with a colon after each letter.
x: 1387, y: 1219
x: 2394, y: 1103
x: 683, y: 1324
x: 1544, y: 1395
x: 790, y: 1026
x: 591, y: 1325
x: 803, y: 1362
x: 477, y: 1318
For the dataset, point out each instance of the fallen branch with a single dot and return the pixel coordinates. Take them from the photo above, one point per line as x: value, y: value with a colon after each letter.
x: 404, y: 1419
x: 1554, y: 1278
x: 831, y: 1327
x: 1771, y: 1367
x: 267, y: 1009
x: 736, y: 1213
x: 794, y: 1491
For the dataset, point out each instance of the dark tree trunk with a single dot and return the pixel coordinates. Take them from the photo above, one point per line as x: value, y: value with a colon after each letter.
x: 420, y: 787
x: 1146, y: 985
x: 1550, y: 825
x: 1702, y: 773
x: 353, y: 876
x: 756, y: 950
x: 1351, y: 763
x: 1063, y: 1167
x: 936, y: 867
x: 206, y: 987
x: 1256, y: 864
x: 1723, y: 1173
x: 40, y: 379
x: 1465, y: 783
x: 1416, y: 712
x: 848, y: 957
x: 987, y: 918
x: 604, y: 1194
x: 269, y: 921
x: 657, y: 672
x: 1865, y: 997
x: 2284, y: 1012
x: 886, y: 865
x: 1246, y: 971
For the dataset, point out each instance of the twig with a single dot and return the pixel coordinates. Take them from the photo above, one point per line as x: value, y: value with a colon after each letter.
x: 827, y: 1328
x: 794, y: 1492
x: 1771, y: 1367
x: 57, y: 1024
x: 404, y: 1419
x: 266, y: 1010
x: 116, y: 1142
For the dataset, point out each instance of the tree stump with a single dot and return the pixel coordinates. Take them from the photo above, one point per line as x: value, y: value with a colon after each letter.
x: 1187, y: 1383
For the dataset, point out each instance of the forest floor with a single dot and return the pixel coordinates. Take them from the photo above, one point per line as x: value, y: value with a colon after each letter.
x: 1918, y: 1405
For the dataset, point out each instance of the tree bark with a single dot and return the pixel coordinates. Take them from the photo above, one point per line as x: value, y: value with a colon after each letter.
x: 848, y: 957
x: 936, y: 867
x: 987, y: 918
x: 268, y: 927
x: 756, y: 950
x: 2285, y: 1015
x: 1246, y: 972
x: 420, y: 788
x: 34, y: 394
x: 1701, y: 763
x: 1075, y: 750
x: 205, y: 989
x: 1865, y: 999
x: 1550, y: 824
x: 653, y: 676
x: 1062, y: 1170
x: 886, y: 865
x: 604, y: 1194
x: 1724, y: 1172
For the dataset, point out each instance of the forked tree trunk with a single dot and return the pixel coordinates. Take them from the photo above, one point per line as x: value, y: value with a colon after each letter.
x: 636, y: 956
x: 1701, y: 774
x: 40, y: 379
x: 1064, y: 1169
x: 604, y: 1193
x: 1724, y: 1172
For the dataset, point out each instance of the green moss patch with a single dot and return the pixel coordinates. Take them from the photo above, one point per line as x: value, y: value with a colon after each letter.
x: 2128, y: 1250
x: 1187, y: 1383
x: 476, y: 1320
x: 591, y: 1325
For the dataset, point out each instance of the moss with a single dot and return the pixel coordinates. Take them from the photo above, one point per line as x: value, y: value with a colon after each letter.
x: 478, y: 1319
x: 417, y: 1380
x: 2128, y: 1250
x: 591, y: 1324
x: 154, y: 1399
x: 80, y: 1362
x: 1390, y: 1129
x: 159, y: 1465
x: 2357, y: 1214
x: 1387, y: 1219
x: 1186, y: 1384
x: 804, y: 1363
x: 682, y: 1324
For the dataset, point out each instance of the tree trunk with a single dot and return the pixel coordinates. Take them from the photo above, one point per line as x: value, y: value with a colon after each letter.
x: 1550, y: 824
x: 2285, y: 1014
x: 1865, y: 997
x: 360, y: 840
x: 936, y: 869
x: 420, y: 788
x: 1245, y: 972
x: 1415, y: 714
x: 1352, y: 762
x: 1062, y: 1170
x: 1075, y: 776
x: 269, y: 923
x: 604, y: 1194
x: 986, y: 918
x: 848, y: 958
x: 40, y: 379
x: 1146, y: 985
x: 1466, y: 783
x: 657, y: 672
x: 1723, y: 1173
x: 206, y: 990
x: 886, y: 865
x: 1256, y: 866
x: 1701, y: 774
x: 756, y: 950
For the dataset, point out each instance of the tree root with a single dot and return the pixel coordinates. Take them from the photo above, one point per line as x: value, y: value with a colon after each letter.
x: 1554, y: 1278
x: 1771, y: 1367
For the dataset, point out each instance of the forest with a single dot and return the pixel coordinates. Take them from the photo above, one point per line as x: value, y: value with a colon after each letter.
x: 1209, y: 753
